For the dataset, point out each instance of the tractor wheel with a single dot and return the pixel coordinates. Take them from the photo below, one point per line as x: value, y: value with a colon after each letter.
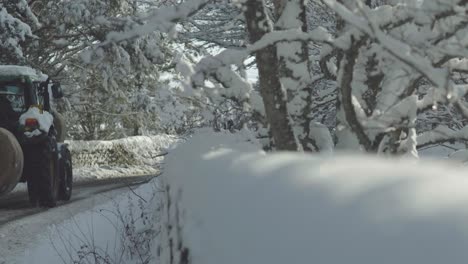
x: 43, y: 184
x: 66, y: 175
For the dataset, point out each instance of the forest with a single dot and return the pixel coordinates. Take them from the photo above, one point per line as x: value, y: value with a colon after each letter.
x: 375, y: 76
x: 295, y: 120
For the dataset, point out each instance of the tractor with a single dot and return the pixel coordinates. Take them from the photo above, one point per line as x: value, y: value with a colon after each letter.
x: 31, y: 137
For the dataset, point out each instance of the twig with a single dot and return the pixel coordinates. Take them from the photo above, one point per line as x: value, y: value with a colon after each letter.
x: 139, y: 196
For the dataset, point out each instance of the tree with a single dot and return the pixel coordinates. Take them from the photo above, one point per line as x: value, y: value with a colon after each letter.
x: 351, y: 69
x: 295, y: 69
x: 384, y: 82
x: 16, y: 24
x: 102, y: 81
x: 271, y: 89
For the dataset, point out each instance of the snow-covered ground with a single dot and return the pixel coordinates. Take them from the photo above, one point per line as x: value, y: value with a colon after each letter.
x: 441, y: 151
x: 100, y: 220
x: 121, y: 229
x: 233, y: 203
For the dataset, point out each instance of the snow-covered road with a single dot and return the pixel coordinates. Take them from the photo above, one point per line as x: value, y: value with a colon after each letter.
x: 16, y: 205
x: 20, y: 223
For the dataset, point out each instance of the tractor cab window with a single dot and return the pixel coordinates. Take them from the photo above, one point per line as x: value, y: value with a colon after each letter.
x: 38, y: 95
x: 13, y: 94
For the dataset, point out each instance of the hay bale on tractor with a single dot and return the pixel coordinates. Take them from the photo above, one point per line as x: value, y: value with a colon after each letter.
x: 11, y: 162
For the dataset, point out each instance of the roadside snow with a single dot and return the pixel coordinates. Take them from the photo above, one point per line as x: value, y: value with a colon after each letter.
x: 118, y: 227
x: 133, y: 156
x: 231, y: 203
x: 441, y: 151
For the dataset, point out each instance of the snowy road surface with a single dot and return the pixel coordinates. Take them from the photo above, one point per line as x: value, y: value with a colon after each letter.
x: 16, y: 205
x: 20, y: 223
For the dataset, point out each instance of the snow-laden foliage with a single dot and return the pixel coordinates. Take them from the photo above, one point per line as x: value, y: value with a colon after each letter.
x: 113, y: 88
x: 395, y: 63
x: 218, y: 25
x: 376, y: 73
x: 16, y: 23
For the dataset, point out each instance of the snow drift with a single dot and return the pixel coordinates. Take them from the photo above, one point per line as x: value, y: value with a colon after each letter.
x: 228, y: 203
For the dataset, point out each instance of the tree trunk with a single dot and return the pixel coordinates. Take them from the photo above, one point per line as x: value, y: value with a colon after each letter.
x: 271, y: 90
x: 346, y: 136
x: 294, y: 69
x: 347, y: 109
x: 351, y: 135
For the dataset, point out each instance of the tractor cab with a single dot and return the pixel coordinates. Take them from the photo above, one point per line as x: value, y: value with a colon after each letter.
x: 22, y: 92
x: 22, y: 88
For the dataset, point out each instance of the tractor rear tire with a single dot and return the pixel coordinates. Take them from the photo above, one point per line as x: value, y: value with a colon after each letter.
x: 43, y: 185
x: 66, y: 175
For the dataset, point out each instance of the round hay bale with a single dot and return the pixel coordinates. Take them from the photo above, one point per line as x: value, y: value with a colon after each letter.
x: 11, y: 161
x: 60, y: 126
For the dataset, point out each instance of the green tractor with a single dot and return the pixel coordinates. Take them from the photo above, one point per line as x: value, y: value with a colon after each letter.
x: 31, y: 137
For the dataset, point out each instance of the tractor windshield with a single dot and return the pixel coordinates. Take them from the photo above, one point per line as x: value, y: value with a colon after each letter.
x: 13, y: 93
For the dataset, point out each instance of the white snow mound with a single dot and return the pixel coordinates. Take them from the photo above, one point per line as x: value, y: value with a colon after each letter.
x: 44, y: 118
x: 234, y: 204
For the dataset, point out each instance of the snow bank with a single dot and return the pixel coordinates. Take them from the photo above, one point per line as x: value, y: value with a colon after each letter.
x: 230, y: 203
x: 442, y: 151
x: 122, y: 230
x: 131, y: 156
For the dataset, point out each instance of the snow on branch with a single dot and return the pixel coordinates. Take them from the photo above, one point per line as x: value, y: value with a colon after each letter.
x: 217, y: 68
x: 13, y: 31
x: 436, y: 96
x: 236, y: 56
x: 407, y: 109
x: 162, y: 19
x: 458, y: 65
x: 319, y: 35
x: 442, y: 134
x: 400, y: 50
